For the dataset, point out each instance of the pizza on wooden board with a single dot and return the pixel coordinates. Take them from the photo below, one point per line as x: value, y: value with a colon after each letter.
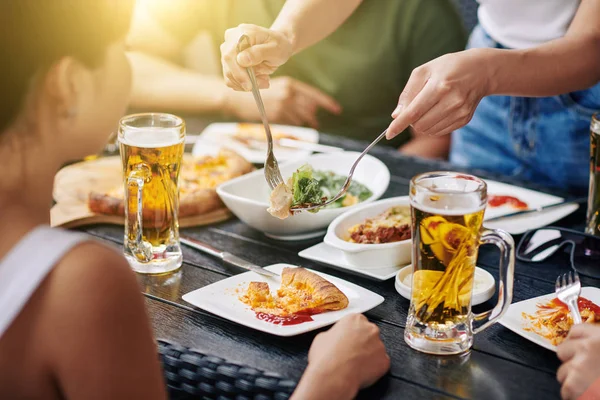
x: 198, y: 179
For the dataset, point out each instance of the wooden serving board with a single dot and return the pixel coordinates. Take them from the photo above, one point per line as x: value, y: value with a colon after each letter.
x: 73, y: 184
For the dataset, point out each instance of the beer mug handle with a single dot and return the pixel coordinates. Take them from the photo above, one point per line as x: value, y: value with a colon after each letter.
x: 134, y: 188
x: 506, y: 244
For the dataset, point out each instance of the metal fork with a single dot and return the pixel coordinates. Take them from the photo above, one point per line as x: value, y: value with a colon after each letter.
x: 272, y: 172
x: 568, y: 289
x: 307, y: 207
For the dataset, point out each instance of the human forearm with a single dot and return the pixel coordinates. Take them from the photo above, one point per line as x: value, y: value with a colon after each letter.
x: 442, y: 95
x: 320, y: 385
x: 301, y: 23
x: 563, y: 65
x: 306, y: 22
x: 160, y: 84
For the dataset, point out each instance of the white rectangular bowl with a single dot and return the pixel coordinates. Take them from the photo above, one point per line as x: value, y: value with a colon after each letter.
x: 248, y: 196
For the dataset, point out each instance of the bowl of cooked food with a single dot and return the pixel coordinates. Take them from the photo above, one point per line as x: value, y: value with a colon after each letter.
x: 374, y: 235
x: 309, y: 180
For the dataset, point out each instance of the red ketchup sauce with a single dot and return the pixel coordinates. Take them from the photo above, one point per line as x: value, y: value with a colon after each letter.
x: 582, y: 303
x: 293, y: 319
x: 497, y: 201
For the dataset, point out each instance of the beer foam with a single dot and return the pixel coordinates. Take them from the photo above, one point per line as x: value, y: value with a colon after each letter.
x: 448, y: 203
x: 151, y: 137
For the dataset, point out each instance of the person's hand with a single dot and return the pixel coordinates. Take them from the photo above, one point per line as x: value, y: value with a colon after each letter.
x: 269, y: 49
x: 351, y: 352
x: 441, y: 96
x: 579, y: 354
x: 287, y: 101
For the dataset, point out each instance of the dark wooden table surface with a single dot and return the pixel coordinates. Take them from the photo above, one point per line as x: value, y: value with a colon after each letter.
x: 501, y: 365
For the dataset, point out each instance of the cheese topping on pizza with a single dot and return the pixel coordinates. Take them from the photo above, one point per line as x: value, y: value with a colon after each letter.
x: 301, y: 292
x: 393, y: 225
x: 553, y: 320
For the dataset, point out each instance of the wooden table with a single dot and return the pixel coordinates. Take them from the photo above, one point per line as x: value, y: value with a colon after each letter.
x: 501, y: 365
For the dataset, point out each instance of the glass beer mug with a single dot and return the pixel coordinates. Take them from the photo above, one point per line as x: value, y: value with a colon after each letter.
x: 151, y: 147
x: 593, y: 210
x: 447, y: 215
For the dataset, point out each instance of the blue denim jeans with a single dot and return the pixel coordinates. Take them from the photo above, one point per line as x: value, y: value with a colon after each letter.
x: 543, y: 140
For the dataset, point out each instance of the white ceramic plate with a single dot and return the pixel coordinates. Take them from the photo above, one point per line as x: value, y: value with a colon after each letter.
x: 485, y: 285
x: 520, y: 224
x: 222, y: 133
x: 324, y: 254
x: 514, y: 321
x: 220, y: 298
x: 248, y: 196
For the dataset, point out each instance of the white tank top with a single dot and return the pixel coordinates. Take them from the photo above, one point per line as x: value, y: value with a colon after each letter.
x: 24, y: 268
x: 520, y: 24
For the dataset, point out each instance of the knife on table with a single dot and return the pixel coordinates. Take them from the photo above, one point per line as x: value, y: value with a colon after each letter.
x: 581, y: 200
x: 225, y: 256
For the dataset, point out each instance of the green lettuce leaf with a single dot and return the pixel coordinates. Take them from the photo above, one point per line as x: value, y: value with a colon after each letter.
x: 310, y: 186
x: 305, y: 188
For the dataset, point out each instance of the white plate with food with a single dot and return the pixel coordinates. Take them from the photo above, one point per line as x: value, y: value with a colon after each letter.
x: 249, y: 196
x: 276, y: 305
x: 506, y: 199
x: 332, y: 257
x: 249, y: 140
x: 484, y: 285
x: 545, y: 320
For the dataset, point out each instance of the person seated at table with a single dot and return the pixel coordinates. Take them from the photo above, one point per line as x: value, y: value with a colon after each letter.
x: 345, y: 85
x: 579, y: 374
x: 73, y: 323
x: 527, y: 87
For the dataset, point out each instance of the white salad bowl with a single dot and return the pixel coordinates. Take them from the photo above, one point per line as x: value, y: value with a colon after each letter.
x: 248, y: 196
x: 365, y: 256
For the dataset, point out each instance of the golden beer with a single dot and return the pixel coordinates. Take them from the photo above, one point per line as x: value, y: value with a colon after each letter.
x: 593, y: 210
x: 445, y: 269
x: 447, y: 215
x: 151, y: 147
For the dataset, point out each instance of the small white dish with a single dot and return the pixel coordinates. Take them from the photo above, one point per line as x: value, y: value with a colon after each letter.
x: 223, y: 133
x: 334, y: 258
x: 483, y: 289
x: 513, y: 319
x: 520, y: 224
x: 360, y: 255
x: 248, y: 196
x: 221, y: 298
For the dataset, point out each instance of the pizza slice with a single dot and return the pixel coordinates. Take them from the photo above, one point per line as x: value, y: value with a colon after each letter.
x: 301, y: 292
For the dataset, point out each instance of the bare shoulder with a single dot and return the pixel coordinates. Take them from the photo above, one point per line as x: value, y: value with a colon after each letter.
x: 93, y: 278
x: 90, y: 256
x: 94, y: 308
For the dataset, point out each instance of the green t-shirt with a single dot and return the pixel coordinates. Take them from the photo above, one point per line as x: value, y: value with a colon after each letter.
x: 364, y: 64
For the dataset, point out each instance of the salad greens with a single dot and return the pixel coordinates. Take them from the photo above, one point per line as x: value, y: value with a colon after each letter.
x: 309, y: 186
x: 305, y: 188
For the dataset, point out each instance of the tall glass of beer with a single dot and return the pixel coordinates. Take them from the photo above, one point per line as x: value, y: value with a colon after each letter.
x: 151, y: 147
x: 593, y: 210
x: 447, y: 216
